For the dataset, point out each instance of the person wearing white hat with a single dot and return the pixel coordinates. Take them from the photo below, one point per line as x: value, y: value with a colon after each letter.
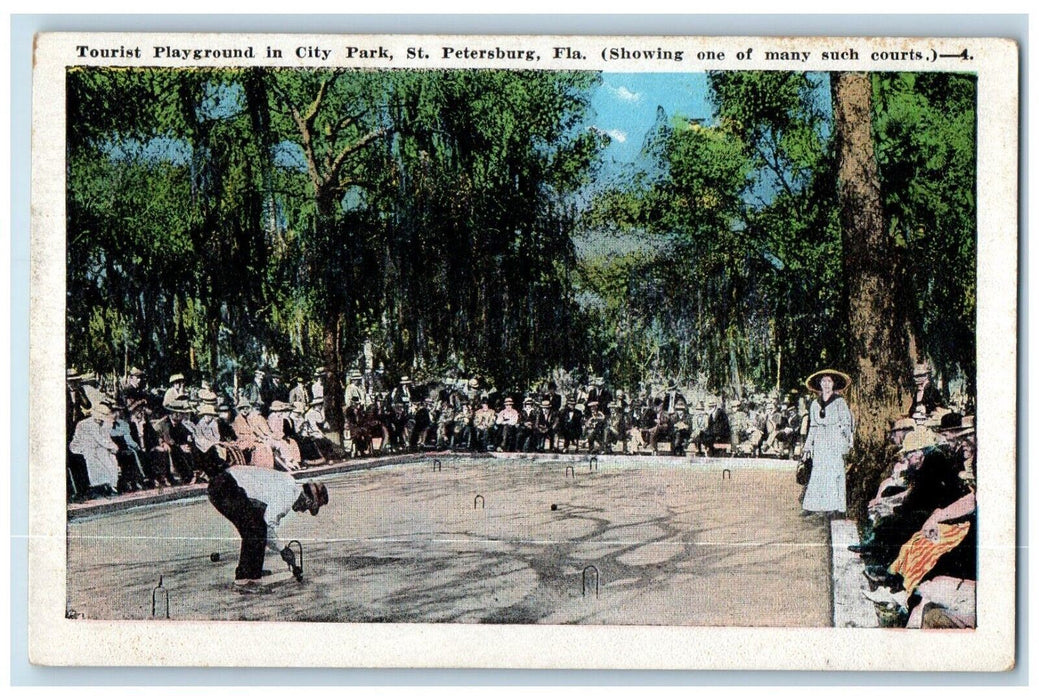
x: 176, y: 433
x: 404, y: 393
x: 571, y: 425
x: 317, y: 388
x: 831, y: 430
x: 926, y: 397
x: 355, y: 390
x: 92, y: 440
x: 176, y: 391
x: 595, y: 427
x: 286, y: 450
x: 506, y: 425
x: 546, y: 425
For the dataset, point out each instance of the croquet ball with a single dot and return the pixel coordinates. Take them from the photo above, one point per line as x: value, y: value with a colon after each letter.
x: 215, y: 556
x: 555, y: 507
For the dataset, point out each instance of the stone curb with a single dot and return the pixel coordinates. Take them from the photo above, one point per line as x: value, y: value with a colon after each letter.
x: 850, y: 607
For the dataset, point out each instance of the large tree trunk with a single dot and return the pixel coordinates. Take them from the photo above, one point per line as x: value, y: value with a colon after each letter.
x: 334, y: 384
x: 875, y: 318
x: 876, y: 322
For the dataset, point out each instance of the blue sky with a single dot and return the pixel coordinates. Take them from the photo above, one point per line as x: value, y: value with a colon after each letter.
x: 625, y: 107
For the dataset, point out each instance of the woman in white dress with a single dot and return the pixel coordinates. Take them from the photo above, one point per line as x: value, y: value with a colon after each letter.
x: 830, y: 433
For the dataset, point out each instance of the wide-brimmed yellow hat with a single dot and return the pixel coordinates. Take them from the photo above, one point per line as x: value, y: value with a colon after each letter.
x: 841, y: 381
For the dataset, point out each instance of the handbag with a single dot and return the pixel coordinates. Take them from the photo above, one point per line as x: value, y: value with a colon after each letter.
x: 804, y: 471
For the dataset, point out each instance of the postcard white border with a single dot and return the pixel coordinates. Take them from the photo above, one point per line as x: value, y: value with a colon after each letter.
x: 54, y: 640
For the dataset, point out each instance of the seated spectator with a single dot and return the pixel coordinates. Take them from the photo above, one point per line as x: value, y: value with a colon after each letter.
x: 421, y: 424
x: 92, y: 439
x: 232, y: 449
x: 461, y: 430
x: 157, y: 464
x: 175, y: 432
x: 445, y: 423
x: 210, y: 452
x: 254, y: 435
x: 595, y: 428
x: 525, y: 432
x: 546, y: 425
x: 257, y: 392
x: 507, y: 425
x: 286, y: 449
x: 717, y: 430
x: 313, y: 438
x: 298, y: 394
x: 926, y: 397
x: 681, y: 428
x: 398, y: 423
x: 131, y: 457
x: 571, y: 425
x: 176, y: 392
x: 134, y: 385
x: 661, y: 427
x: 483, y: 426
x: 615, y: 429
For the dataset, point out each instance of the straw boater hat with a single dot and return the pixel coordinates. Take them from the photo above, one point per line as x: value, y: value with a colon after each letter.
x: 319, y: 371
x: 918, y: 439
x: 508, y: 400
x: 178, y: 377
x: 279, y: 406
x: 405, y: 379
x: 841, y: 381
x: 207, y: 409
x: 136, y: 372
x: 244, y: 403
x: 179, y: 406
x: 545, y: 403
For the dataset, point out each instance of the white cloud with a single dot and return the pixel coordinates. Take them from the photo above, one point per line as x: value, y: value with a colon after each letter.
x: 623, y: 93
x: 617, y: 135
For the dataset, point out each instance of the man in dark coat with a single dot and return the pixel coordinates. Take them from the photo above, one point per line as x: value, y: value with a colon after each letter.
x: 571, y: 425
x: 717, y: 430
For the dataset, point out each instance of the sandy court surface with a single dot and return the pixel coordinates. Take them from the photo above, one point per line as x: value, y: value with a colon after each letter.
x: 674, y: 544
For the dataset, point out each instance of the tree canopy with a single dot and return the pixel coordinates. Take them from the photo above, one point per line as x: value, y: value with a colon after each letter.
x: 455, y: 220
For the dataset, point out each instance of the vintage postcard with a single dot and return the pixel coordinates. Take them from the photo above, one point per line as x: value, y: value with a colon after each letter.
x: 524, y: 351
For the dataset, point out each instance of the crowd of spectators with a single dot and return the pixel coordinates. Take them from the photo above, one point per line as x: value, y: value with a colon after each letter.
x: 126, y: 435
x: 919, y: 544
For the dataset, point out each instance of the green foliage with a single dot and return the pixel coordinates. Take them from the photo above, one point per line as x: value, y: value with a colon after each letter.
x: 223, y: 219
x: 741, y: 280
x: 220, y: 219
x: 926, y: 149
